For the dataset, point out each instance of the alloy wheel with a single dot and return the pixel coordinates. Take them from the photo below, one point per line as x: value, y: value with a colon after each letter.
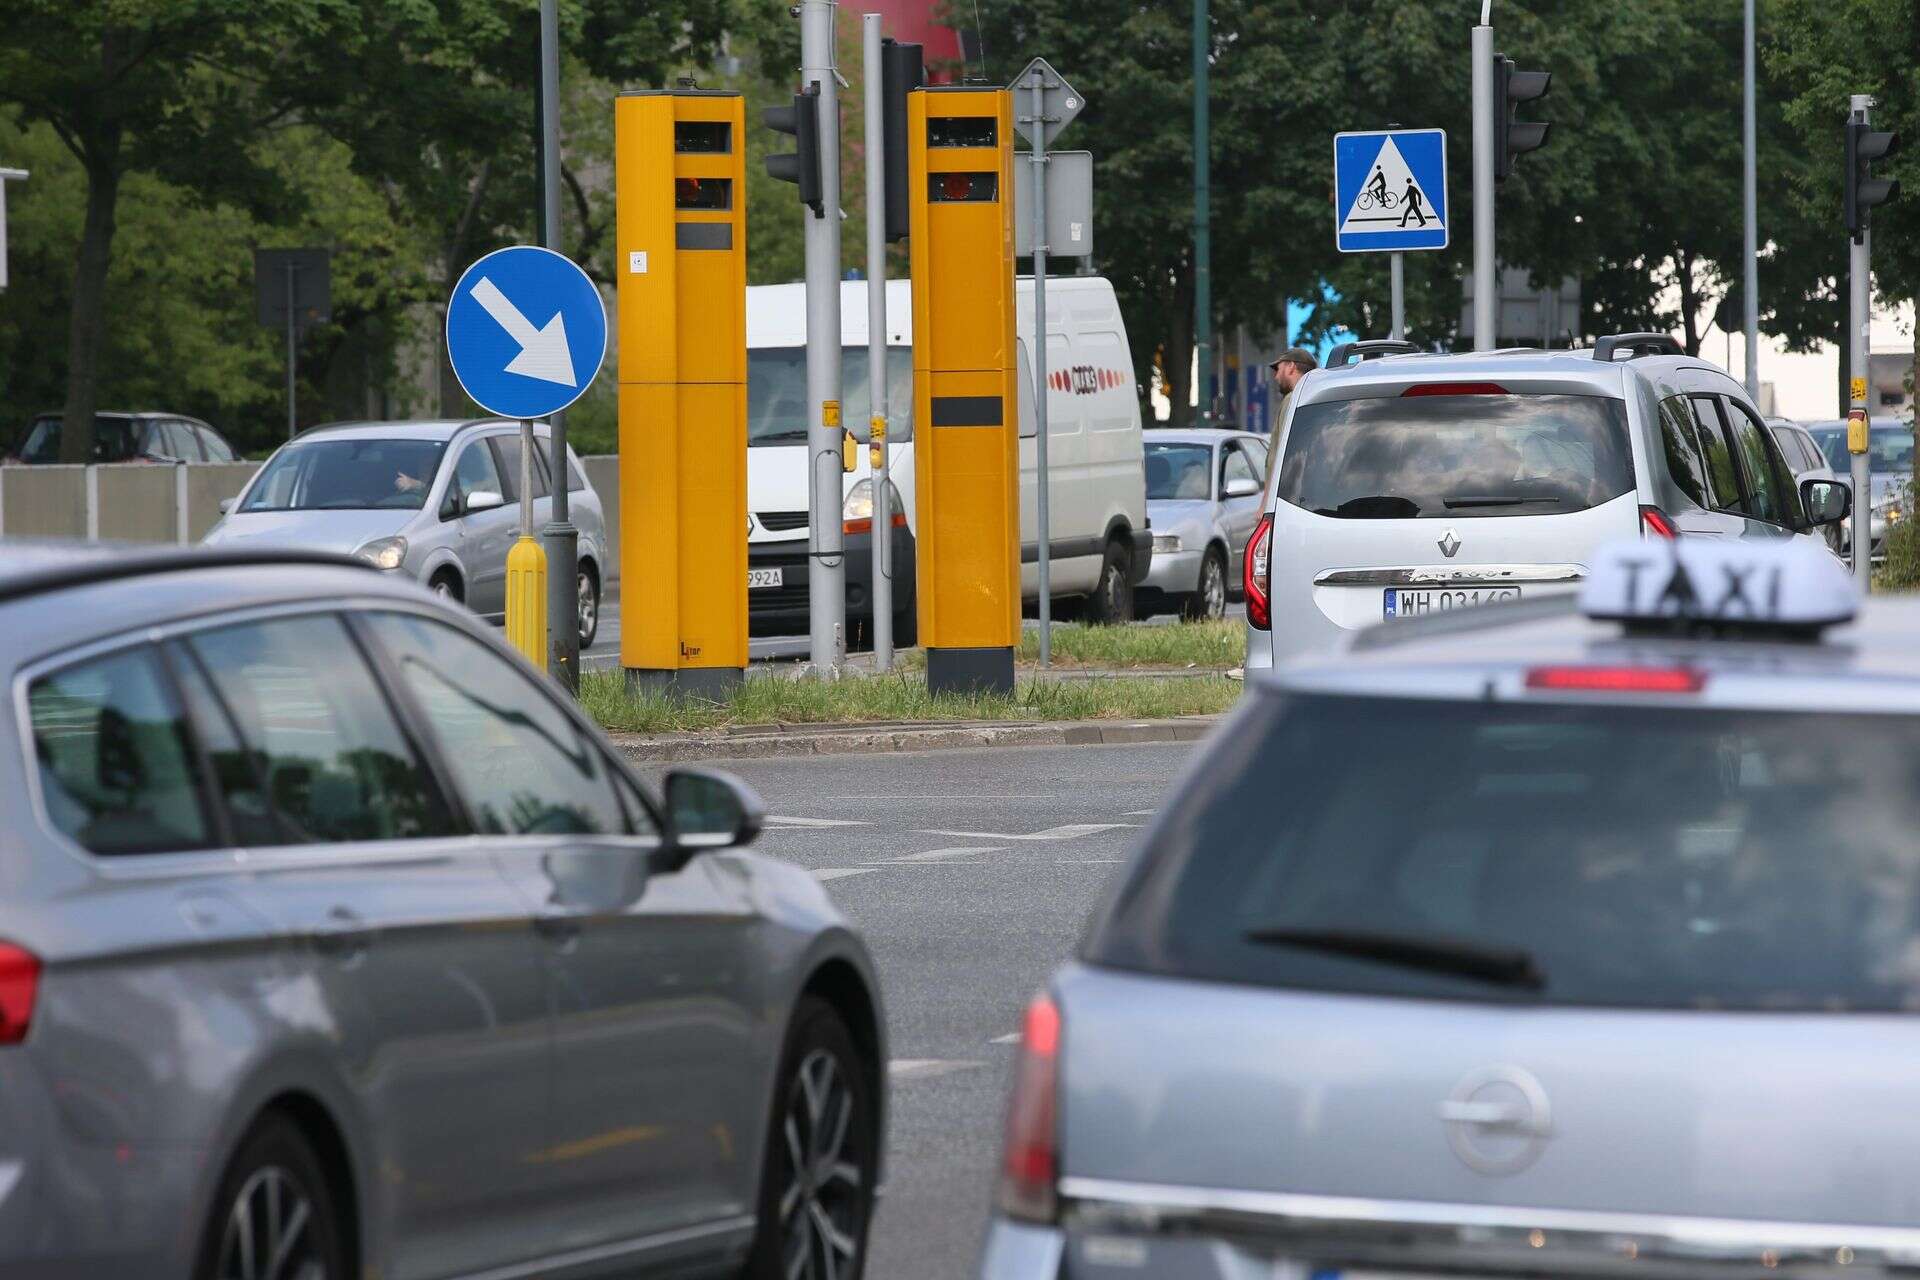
x: 269, y: 1231
x: 589, y: 604
x: 822, y: 1195
x: 1213, y: 589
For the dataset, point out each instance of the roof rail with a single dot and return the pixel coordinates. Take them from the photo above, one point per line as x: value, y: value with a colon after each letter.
x: 1636, y: 344
x: 1370, y: 350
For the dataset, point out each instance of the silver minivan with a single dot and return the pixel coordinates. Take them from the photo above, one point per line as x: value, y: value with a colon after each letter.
x: 437, y: 502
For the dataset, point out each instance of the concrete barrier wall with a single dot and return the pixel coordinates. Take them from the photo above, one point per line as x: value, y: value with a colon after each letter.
x: 603, y: 473
x: 43, y: 502
x: 207, y: 486
x: 137, y: 503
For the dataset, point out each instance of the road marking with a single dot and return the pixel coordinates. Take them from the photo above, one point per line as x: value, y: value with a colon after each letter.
x: 1071, y: 831
x: 927, y: 1068
x: 1139, y: 813
x: 1012, y: 1037
x: 840, y: 873
x: 1087, y: 862
x: 943, y: 855
x: 775, y: 821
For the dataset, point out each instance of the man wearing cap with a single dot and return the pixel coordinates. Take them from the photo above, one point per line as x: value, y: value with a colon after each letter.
x: 1288, y: 368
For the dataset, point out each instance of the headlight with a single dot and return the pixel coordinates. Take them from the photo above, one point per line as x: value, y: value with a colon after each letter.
x: 384, y: 553
x: 1164, y: 543
x: 859, y: 507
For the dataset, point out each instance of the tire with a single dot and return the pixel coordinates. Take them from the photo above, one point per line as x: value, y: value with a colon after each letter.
x: 1209, y: 601
x: 446, y: 585
x: 1112, y: 600
x: 588, y: 606
x: 906, y: 629
x: 824, y: 1090
x: 274, y: 1193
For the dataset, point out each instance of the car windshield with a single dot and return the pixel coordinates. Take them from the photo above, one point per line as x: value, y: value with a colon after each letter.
x: 777, y: 393
x: 113, y: 439
x: 1889, y: 449
x: 1179, y: 471
x: 1581, y: 855
x: 338, y: 474
x: 1442, y: 457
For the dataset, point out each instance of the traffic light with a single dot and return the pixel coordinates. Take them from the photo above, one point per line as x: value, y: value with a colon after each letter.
x: 1513, y: 136
x: 1864, y: 191
x: 800, y: 166
x: 901, y: 71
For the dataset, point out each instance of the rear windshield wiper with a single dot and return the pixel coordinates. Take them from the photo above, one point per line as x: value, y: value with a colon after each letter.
x: 1492, y: 500
x: 1498, y: 966
x: 791, y: 433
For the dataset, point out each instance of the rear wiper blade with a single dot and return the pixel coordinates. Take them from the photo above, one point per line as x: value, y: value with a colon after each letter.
x: 1499, y: 966
x: 1492, y: 500
x: 791, y: 433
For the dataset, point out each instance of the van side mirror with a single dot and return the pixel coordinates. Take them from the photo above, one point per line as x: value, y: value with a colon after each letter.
x: 708, y: 809
x: 1826, y: 501
x: 1241, y: 487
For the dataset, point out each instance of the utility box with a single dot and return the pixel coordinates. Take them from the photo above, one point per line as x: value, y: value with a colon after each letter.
x: 681, y: 257
x: 966, y: 457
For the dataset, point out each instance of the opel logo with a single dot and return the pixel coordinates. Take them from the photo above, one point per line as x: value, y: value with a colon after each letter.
x: 1497, y: 1119
x: 1449, y: 543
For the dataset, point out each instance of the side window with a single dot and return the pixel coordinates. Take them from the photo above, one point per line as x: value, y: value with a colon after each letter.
x: 1682, y: 452
x: 518, y: 759
x: 116, y: 764
x: 1235, y: 466
x: 507, y: 449
x: 474, y: 472
x: 1257, y: 454
x: 335, y: 764
x: 237, y: 778
x: 1761, y: 466
x: 216, y: 449
x: 184, y: 442
x: 1723, y: 482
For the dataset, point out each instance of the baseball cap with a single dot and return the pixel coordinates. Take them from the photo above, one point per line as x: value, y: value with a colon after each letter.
x: 1295, y: 355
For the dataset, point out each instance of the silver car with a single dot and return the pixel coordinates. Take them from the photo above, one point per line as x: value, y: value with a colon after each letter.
x: 335, y: 943
x: 1545, y: 939
x: 437, y: 502
x: 1203, y: 500
x: 1890, y: 474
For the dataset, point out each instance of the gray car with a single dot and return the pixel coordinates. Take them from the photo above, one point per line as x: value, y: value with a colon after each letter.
x: 334, y: 942
x: 1203, y: 499
x: 1560, y: 938
x: 437, y: 502
x: 1890, y: 473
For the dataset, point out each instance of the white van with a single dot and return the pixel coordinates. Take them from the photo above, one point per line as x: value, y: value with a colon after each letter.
x: 1097, y: 510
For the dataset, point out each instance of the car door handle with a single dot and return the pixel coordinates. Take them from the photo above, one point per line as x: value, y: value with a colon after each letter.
x: 344, y: 936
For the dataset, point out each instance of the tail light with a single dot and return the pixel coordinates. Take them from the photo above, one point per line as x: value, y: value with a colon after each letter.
x: 19, y: 984
x: 1655, y: 524
x: 1254, y: 576
x: 1030, y: 1161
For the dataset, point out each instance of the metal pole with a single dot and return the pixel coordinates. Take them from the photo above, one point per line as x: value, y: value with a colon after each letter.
x: 1752, y: 249
x: 1202, y: 215
x: 1859, y: 318
x: 1042, y: 481
x: 6, y: 176
x: 1486, y: 291
x: 292, y: 424
x: 526, y: 478
x: 561, y: 538
x: 827, y: 570
x: 878, y: 463
x: 1398, y: 261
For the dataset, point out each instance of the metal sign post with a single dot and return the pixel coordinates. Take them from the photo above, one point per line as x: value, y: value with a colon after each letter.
x: 292, y: 288
x: 827, y: 570
x: 1859, y: 422
x: 560, y: 537
x: 1486, y: 290
x: 877, y: 448
x: 6, y: 176
x: 1399, y: 271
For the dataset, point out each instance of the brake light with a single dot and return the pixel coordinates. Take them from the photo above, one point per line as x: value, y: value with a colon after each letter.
x: 1254, y: 575
x: 1030, y: 1160
x: 1617, y: 679
x: 1455, y: 389
x: 865, y: 523
x: 19, y: 984
x: 1655, y: 524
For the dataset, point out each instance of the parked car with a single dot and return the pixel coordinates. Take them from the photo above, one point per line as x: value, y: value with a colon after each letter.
x: 1203, y: 501
x: 336, y: 942
x: 1097, y: 507
x: 1410, y: 483
x: 1890, y: 471
x: 128, y: 437
x: 1807, y: 461
x: 434, y: 501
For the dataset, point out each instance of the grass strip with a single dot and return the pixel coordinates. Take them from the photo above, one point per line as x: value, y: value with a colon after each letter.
x: 1221, y: 644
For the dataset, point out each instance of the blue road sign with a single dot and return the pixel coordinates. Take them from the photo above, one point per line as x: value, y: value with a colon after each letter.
x: 526, y: 332
x: 1390, y: 190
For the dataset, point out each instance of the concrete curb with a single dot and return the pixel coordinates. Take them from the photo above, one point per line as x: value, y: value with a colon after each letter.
x: 784, y: 741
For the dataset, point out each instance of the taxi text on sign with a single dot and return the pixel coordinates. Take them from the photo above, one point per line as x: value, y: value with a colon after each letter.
x: 526, y: 332
x: 1390, y: 191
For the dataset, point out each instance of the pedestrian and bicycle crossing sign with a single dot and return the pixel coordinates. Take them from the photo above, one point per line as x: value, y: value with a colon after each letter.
x: 1390, y: 190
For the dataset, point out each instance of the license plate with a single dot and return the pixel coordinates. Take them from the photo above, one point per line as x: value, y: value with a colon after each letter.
x: 765, y: 578
x: 1420, y: 602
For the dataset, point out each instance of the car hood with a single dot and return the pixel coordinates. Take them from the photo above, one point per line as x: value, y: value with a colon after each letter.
x: 342, y: 531
x: 1177, y: 515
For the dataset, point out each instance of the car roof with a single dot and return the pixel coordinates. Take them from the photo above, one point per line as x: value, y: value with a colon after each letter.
x: 1575, y: 371
x: 438, y: 429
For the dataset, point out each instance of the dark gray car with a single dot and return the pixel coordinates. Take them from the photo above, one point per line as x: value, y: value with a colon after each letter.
x: 335, y: 943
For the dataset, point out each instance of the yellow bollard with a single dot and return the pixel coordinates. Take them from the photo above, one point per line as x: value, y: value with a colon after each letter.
x: 527, y: 600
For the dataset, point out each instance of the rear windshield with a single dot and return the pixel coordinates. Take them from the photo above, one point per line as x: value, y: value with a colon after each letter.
x: 1889, y: 449
x: 1456, y: 456
x: 1554, y: 854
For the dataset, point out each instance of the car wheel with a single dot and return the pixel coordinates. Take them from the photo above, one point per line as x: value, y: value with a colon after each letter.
x: 589, y: 597
x: 1112, y: 599
x: 274, y: 1213
x: 1209, y: 599
x: 816, y: 1181
x: 446, y: 586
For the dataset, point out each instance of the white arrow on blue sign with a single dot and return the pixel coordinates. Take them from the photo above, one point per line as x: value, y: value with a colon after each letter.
x: 1390, y: 190
x: 526, y: 332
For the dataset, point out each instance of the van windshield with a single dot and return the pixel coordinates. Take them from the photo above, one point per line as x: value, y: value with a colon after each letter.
x: 1451, y: 457
x: 777, y: 393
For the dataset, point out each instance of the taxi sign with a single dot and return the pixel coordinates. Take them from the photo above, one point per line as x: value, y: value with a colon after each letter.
x: 1790, y: 585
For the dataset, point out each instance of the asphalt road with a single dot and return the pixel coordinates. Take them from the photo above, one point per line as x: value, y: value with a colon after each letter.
x: 971, y: 875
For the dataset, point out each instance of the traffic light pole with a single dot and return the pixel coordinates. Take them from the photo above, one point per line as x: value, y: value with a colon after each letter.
x: 1043, y: 482
x: 1859, y: 423
x: 561, y: 538
x: 1486, y: 293
x: 827, y: 568
x: 1202, y: 219
x: 1749, y: 197
x: 877, y: 449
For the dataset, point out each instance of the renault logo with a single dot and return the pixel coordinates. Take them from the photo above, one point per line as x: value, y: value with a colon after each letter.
x: 1449, y: 543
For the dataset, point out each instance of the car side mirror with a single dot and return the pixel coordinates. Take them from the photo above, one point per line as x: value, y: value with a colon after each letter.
x: 482, y: 500
x: 1826, y: 501
x: 226, y: 505
x: 708, y: 809
x: 1242, y: 487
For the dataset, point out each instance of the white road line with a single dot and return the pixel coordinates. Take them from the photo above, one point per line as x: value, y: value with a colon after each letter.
x: 926, y: 1068
x: 840, y: 873
x: 1087, y: 862
x: 1071, y: 831
x: 943, y: 855
x: 1139, y: 813
x: 1012, y: 1037
x: 775, y: 821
